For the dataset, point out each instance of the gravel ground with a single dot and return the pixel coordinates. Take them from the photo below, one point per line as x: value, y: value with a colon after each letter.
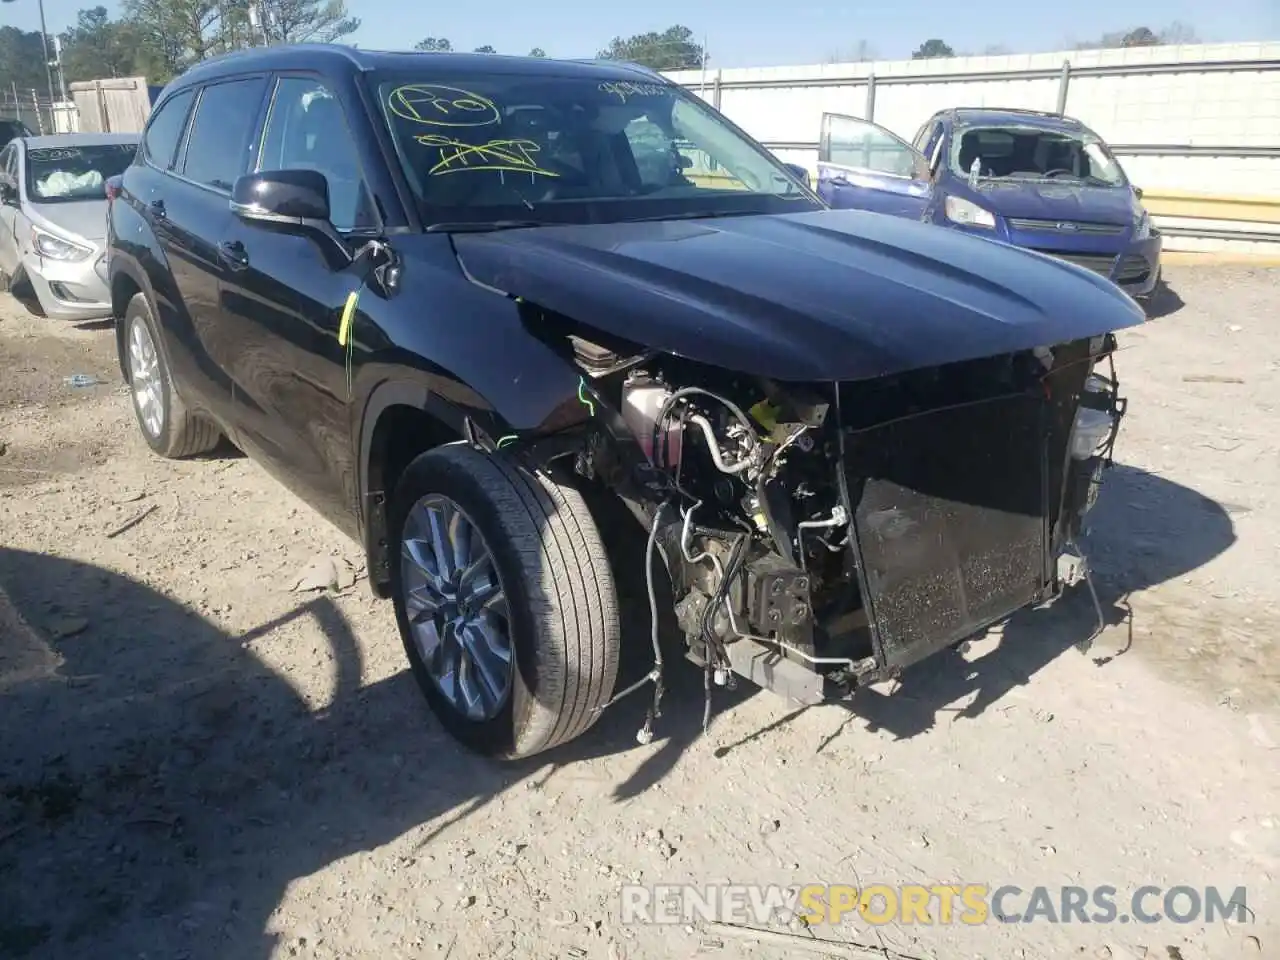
x: 199, y: 760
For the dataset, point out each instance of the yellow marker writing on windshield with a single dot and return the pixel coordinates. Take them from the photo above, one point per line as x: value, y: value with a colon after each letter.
x: 348, y: 314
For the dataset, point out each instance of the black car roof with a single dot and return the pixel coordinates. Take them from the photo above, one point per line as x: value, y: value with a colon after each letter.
x: 334, y: 57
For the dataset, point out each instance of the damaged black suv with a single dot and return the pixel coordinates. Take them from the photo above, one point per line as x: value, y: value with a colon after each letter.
x: 451, y: 299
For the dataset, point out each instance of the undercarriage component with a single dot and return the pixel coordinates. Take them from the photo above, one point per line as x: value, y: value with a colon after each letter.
x: 780, y: 600
x: 838, y: 533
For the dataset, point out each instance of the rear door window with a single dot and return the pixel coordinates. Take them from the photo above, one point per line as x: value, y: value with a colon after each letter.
x: 160, y: 143
x: 218, y: 146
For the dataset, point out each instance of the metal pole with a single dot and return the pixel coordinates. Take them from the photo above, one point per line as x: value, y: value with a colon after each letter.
x: 1063, y: 85
x: 871, y: 98
x: 62, y: 76
x: 703, y: 91
x: 44, y: 41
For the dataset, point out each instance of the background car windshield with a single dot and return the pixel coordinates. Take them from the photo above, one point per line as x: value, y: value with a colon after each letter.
x: 1023, y: 153
x: 562, y: 149
x: 56, y: 174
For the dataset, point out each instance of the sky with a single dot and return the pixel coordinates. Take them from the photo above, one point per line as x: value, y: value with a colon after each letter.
x: 742, y: 33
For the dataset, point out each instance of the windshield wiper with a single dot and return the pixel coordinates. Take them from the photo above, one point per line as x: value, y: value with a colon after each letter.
x: 482, y: 226
x: 694, y: 215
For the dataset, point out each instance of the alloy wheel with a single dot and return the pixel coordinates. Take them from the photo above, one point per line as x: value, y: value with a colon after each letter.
x: 456, y: 607
x: 144, y: 377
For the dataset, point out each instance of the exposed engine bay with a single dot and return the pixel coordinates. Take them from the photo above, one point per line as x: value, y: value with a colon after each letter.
x: 822, y: 536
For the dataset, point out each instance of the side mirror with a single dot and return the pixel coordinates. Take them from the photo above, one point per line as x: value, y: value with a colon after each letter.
x: 8, y: 191
x: 293, y: 200
x: 293, y: 197
x: 801, y: 173
x: 1137, y: 192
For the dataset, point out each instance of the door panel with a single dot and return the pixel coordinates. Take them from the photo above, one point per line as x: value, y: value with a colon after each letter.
x: 197, y: 214
x: 283, y: 307
x: 186, y: 220
x: 863, y: 166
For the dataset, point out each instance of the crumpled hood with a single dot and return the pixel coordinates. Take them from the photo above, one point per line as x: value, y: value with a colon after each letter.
x: 829, y: 295
x: 1059, y: 201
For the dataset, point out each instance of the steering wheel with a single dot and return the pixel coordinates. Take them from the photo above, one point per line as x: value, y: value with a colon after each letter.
x: 1056, y: 171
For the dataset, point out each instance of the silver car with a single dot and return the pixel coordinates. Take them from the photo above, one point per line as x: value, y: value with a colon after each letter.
x: 53, y: 220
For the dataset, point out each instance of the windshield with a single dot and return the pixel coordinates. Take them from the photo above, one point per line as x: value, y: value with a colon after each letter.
x: 60, y: 174
x: 554, y: 149
x: 1028, y: 153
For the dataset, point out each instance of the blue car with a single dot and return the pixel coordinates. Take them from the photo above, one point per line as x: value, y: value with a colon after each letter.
x: 1036, y: 180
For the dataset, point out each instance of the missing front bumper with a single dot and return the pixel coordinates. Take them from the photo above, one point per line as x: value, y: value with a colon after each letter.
x: 949, y: 522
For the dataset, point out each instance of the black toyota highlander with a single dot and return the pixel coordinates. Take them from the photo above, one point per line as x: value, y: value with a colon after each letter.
x: 451, y: 300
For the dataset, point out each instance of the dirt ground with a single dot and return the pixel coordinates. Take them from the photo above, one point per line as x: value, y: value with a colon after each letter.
x: 198, y: 760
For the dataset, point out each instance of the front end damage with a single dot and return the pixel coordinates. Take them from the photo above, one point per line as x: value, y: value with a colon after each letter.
x: 823, y: 536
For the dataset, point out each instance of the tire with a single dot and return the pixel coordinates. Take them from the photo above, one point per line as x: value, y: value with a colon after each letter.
x: 20, y: 289
x: 561, y: 604
x: 179, y: 433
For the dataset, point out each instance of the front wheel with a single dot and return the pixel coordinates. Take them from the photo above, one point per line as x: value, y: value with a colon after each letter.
x: 505, y: 601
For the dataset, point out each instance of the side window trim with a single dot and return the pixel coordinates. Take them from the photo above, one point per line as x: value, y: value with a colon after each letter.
x: 255, y: 130
x: 180, y: 151
x: 186, y: 122
x: 935, y: 158
x: 273, y: 91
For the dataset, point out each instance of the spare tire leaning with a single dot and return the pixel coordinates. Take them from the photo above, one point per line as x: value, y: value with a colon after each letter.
x: 505, y: 601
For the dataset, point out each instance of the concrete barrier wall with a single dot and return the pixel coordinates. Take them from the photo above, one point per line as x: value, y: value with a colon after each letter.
x: 1196, y: 126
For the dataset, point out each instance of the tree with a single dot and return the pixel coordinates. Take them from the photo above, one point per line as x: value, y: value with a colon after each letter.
x: 434, y: 45
x: 177, y: 33
x: 537, y: 52
x: 22, y: 56
x: 932, y: 48
x: 309, y: 21
x: 485, y: 49
x: 1176, y: 32
x: 1141, y: 37
x: 861, y: 52
x: 98, y: 47
x: 673, y: 49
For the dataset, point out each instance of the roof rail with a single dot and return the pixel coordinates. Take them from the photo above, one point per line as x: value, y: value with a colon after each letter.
x: 1020, y: 110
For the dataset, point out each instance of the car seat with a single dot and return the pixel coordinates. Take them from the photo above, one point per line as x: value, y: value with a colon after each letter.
x: 969, y: 151
x: 321, y: 144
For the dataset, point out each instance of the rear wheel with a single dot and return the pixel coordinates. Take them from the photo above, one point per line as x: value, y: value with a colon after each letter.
x: 505, y: 601
x: 166, y: 425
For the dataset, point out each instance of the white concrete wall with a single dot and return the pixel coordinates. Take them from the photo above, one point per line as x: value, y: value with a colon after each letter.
x: 1188, y: 107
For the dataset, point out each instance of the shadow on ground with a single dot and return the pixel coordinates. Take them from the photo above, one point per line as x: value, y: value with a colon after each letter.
x: 161, y: 786
x: 1164, y: 301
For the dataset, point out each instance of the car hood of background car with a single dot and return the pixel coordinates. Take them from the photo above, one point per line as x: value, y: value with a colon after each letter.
x: 830, y: 295
x: 75, y: 218
x: 1041, y: 200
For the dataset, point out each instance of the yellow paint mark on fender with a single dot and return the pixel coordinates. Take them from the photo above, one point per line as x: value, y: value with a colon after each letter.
x: 348, y: 314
